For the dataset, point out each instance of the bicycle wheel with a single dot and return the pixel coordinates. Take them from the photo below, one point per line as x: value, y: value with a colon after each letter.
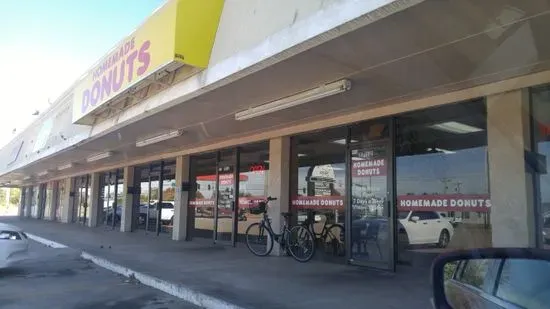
x: 300, y: 243
x: 258, y: 240
x: 333, y: 241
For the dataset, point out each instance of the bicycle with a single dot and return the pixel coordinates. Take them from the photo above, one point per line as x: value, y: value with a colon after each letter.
x: 330, y: 236
x: 298, y: 241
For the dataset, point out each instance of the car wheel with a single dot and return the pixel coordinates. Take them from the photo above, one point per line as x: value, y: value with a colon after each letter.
x: 444, y: 239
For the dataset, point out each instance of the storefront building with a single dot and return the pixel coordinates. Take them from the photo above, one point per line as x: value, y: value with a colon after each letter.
x: 392, y: 147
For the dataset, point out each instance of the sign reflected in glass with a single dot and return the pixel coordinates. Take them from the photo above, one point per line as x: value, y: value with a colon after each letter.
x: 370, y: 232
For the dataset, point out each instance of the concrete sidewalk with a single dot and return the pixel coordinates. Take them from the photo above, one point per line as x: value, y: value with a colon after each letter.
x: 236, y: 276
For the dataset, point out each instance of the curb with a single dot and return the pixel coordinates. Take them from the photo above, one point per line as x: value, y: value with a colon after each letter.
x: 47, y: 242
x: 177, y: 290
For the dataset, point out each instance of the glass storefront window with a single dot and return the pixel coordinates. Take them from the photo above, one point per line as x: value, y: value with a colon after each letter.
x: 541, y: 135
x: 149, y: 217
x: 48, y: 201
x: 111, y: 197
x: 83, y: 198
x: 442, y: 185
x: 145, y: 197
x: 214, y: 204
x: 202, y: 199
x: 60, y: 200
x: 318, y: 181
x: 168, y: 196
x: 152, y: 215
x: 253, y: 183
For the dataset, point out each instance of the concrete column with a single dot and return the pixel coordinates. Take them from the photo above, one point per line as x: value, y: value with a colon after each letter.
x: 22, y: 201
x: 68, y: 200
x: 28, y: 201
x: 278, y: 182
x: 512, y: 211
x: 128, y: 199
x: 41, y: 203
x: 56, y: 202
x: 50, y: 201
x: 55, y: 198
x: 94, y: 207
x: 181, y: 199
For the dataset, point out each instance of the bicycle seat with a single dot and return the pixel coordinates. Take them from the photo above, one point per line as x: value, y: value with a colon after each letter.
x: 286, y: 214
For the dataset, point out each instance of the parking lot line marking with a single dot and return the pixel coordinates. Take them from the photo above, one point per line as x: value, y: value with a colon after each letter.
x: 47, y: 242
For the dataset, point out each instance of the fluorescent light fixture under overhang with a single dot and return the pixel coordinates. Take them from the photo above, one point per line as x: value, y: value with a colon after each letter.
x: 65, y: 166
x: 99, y: 156
x: 295, y: 100
x: 302, y: 155
x: 43, y: 173
x: 455, y: 127
x: 158, y: 138
x: 27, y: 178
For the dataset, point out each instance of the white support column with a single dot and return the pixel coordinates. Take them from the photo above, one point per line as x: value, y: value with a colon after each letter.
x: 28, y: 201
x: 93, y: 208
x: 181, y: 207
x: 512, y: 211
x: 128, y: 199
x: 50, y: 200
x: 68, y: 200
x: 279, y: 179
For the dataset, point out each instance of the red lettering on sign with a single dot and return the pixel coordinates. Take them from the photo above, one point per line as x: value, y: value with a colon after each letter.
x: 257, y: 168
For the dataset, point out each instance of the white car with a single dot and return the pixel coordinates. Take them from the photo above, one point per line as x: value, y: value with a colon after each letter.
x: 14, y: 245
x: 426, y: 227
x: 166, y: 213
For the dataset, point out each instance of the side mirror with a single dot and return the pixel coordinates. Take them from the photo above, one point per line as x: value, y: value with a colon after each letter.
x: 492, y: 278
x: 414, y: 219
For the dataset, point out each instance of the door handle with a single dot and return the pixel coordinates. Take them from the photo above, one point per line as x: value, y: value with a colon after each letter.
x: 425, y: 223
x: 232, y: 205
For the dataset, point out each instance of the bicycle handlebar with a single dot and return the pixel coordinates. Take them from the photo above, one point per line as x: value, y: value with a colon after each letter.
x: 269, y: 198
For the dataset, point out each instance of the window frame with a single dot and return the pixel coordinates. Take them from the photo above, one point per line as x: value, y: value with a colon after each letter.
x: 489, y: 279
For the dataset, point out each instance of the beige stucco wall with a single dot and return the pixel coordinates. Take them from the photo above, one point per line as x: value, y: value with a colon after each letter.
x: 50, y: 133
x: 512, y: 212
x: 244, y: 24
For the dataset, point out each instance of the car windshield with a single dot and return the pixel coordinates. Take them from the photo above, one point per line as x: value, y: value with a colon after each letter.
x: 379, y: 133
x: 403, y: 214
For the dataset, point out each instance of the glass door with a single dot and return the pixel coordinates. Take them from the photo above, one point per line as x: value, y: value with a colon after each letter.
x: 83, y: 198
x: 371, y: 208
x: 41, y: 201
x: 225, y: 202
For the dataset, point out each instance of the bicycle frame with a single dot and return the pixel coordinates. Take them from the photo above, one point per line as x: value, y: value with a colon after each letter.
x: 279, y: 238
x: 309, y: 224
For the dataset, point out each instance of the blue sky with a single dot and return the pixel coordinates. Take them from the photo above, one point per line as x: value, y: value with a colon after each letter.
x: 45, y: 45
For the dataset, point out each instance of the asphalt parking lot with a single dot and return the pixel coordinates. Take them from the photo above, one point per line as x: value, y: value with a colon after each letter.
x: 59, y: 278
